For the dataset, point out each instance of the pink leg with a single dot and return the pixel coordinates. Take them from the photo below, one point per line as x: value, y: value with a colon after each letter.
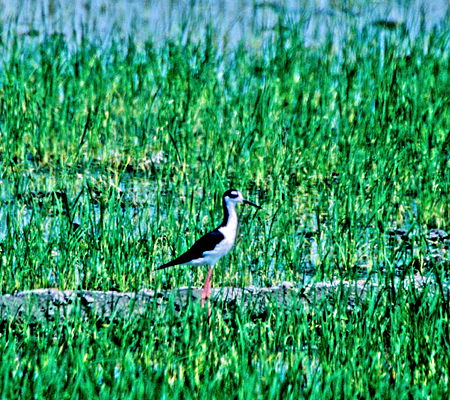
x: 206, y: 294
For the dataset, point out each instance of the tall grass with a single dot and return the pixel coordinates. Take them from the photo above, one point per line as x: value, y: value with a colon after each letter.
x: 113, y: 160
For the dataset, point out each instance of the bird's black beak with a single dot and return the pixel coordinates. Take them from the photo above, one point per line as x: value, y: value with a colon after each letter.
x: 252, y: 204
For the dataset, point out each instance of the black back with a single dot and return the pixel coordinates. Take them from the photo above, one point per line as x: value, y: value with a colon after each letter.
x: 205, y: 243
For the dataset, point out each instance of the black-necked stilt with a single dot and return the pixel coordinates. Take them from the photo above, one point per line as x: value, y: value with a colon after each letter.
x: 211, y: 247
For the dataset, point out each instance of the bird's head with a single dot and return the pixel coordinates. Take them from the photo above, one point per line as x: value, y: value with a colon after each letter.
x: 233, y: 196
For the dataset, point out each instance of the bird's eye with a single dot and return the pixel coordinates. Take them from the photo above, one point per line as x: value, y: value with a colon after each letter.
x: 234, y: 194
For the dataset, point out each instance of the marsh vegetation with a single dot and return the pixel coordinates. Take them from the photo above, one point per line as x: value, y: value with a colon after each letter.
x: 114, y: 157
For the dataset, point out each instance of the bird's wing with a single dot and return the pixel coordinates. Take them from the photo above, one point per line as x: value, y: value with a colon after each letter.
x: 206, y: 243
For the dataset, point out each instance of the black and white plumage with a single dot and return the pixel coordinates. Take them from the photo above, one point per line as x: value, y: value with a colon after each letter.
x: 211, y: 247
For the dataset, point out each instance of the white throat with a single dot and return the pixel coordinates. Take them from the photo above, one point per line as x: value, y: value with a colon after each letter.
x: 229, y: 230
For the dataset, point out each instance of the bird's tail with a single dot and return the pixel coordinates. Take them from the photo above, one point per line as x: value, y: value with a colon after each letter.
x: 167, y: 265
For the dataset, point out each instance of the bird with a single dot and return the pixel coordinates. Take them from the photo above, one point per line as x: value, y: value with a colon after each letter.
x: 211, y: 247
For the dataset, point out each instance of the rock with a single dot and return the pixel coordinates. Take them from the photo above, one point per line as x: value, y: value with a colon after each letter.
x: 50, y: 304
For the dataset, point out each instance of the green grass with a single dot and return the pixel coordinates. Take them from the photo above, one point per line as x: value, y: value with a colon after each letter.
x: 339, y: 146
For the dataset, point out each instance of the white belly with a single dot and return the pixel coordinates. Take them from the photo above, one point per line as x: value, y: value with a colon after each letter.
x: 211, y: 257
